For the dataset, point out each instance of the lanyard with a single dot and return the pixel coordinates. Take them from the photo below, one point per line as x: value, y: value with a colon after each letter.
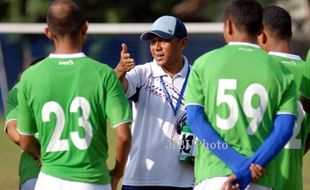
x: 169, y: 99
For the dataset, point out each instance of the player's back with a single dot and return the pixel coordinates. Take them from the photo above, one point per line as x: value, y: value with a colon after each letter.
x: 243, y: 88
x: 289, y: 160
x: 294, y: 64
x: 68, y: 95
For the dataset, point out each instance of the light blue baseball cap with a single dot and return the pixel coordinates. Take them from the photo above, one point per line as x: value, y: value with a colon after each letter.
x: 166, y: 27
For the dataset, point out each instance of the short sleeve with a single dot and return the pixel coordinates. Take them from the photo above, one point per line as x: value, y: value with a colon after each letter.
x: 194, y: 94
x: 26, y: 122
x: 11, y: 106
x: 117, y: 107
x: 134, y: 78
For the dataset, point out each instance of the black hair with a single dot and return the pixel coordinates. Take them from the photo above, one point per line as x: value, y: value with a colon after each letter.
x: 247, y: 15
x: 65, y: 17
x: 278, y: 21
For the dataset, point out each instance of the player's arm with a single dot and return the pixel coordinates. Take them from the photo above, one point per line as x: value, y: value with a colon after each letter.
x: 240, y: 165
x: 119, y: 113
x: 283, y: 127
x: 280, y: 135
x: 11, y: 115
x: 206, y: 134
x: 126, y: 63
x: 230, y: 183
x: 122, y: 148
x: 30, y: 144
x: 282, y: 132
x: 12, y: 132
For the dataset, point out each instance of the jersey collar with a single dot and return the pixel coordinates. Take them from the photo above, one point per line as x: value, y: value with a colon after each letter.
x: 158, y: 71
x: 244, y: 44
x: 286, y: 55
x: 73, y: 55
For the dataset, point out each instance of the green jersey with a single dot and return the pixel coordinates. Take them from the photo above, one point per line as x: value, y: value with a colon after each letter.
x: 28, y: 167
x: 305, y: 83
x: 305, y: 89
x: 241, y: 88
x: 68, y: 99
x: 288, y: 162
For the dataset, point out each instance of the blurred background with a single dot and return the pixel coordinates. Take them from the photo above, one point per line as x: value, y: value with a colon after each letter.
x: 18, y: 47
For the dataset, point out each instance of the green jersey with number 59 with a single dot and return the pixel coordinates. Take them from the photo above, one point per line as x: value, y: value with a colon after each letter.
x: 68, y: 99
x: 288, y: 162
x: 241, y: 88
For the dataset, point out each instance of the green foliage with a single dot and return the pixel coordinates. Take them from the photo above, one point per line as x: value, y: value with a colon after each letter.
x: 22, y: 10
x: 4, y: 9
x: 36, y: 11
x: 96, y: 10
x: 115, y: 11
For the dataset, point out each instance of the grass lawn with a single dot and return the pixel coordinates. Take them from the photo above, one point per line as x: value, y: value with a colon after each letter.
x: 10, y: 157
x: 306, y: 171
x: 9, y: 160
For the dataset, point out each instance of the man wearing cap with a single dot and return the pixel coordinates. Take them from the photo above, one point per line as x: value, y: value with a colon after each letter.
x: 156, y: 89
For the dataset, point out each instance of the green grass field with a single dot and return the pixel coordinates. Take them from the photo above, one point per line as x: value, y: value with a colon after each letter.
x: 10, y: 157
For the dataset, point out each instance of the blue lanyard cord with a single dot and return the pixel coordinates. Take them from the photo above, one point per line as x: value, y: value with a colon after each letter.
x: 169, y: 99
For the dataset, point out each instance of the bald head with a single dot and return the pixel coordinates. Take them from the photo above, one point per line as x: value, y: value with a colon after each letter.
x: 65, y: 17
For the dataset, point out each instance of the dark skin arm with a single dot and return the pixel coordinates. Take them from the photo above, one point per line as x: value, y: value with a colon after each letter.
x: 31, y: 145
x: 122, y: 148
x: 15, y: 137
x: 126, y: 63
x: 230, y: 183
x: 12, y: 132
x: 256, y: 172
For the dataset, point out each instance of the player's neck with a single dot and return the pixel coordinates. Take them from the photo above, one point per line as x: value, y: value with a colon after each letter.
x: 67, y: 46
x: 282, y: 46
x: 243, y: 37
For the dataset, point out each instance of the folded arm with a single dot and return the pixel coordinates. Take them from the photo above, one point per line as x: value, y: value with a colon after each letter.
x: 12, y: 132
x: 206, y: 134
x: 280, y: 135
x: 283, y: 129
x: 30, y: 144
